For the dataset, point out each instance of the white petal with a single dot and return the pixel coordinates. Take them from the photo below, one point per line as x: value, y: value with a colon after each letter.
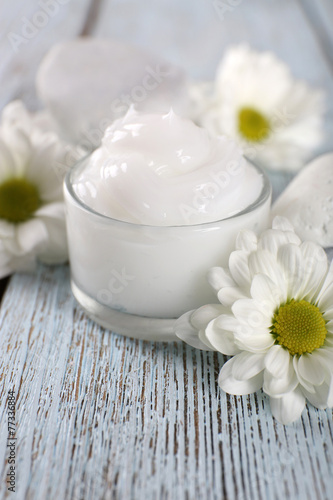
x: 7, y: 230
x: 258, y: 342
x: 222, y: 340
x: 314, y: 269
x: 264, y: 290
x: 186, y: 332
x: 204, y: 341
x: 202, y: 316
x: 56, y: 248
x: 246, y: 240
x: 246, y: 365
x: 54, y: 210
x: 326, y: 294
x: 5, y: 271
x: 293, y: 238
x: 263, y: 262
x: 303, y: 382
x: 277, y: 361
x: 15, y: 114
x: 8, y: 164
x: 11, y: 245
x: 42, y: 173
x: 282, y: 223
x: 31, y: 235
x: 329, y: 336
x: 322, y: 398
x: 24, y: 263
x: 19, y: 142
x: 227, y: 322
x: 238, y: 265
x: 229, y: 294
x: 251, y: 313
x: 218, y: 277
x: 328, y: 316
x: 325, y: 354
x: 229, y: 384
x: 251, y: 335
x: 272, y: 240
x: 277, y: 387
x: 311, y: 368
x: 290, y: 259
x: 279, y: 375
x: 289, y: 407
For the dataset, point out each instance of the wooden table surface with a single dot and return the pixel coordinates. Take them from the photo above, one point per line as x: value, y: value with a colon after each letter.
x: 103, y: 416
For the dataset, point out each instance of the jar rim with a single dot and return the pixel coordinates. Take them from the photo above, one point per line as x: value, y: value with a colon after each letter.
x: 264, y: 195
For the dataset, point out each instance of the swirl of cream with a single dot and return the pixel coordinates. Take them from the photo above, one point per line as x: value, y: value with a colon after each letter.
x: 163, y: 170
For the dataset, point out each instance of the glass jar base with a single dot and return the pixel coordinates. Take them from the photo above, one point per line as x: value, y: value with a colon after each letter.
x: 130, y: 325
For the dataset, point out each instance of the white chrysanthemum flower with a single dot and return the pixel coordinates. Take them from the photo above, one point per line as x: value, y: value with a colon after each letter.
x: 277, y: 120
x: 32, y: 215
x: 275, y: 318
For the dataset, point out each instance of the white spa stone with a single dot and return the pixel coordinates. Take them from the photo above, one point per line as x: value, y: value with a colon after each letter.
x: 134, y: 248
x: 86, y: 83
x: 308, y: 202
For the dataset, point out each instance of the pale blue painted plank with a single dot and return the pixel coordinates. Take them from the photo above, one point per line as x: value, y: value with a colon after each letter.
x: 117, y: 418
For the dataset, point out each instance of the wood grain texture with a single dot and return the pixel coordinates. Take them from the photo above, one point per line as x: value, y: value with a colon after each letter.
x: 103, y: 416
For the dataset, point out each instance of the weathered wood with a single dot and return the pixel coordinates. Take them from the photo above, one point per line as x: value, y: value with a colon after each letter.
x: 103, y: 416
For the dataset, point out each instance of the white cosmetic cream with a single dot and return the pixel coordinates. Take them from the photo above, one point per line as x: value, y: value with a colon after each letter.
x: 149, y: 212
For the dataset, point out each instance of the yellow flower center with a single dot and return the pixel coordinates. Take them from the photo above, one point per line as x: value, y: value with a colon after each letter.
x: 19, y: 199
x: 299, y: 327
x: 252, y: 125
